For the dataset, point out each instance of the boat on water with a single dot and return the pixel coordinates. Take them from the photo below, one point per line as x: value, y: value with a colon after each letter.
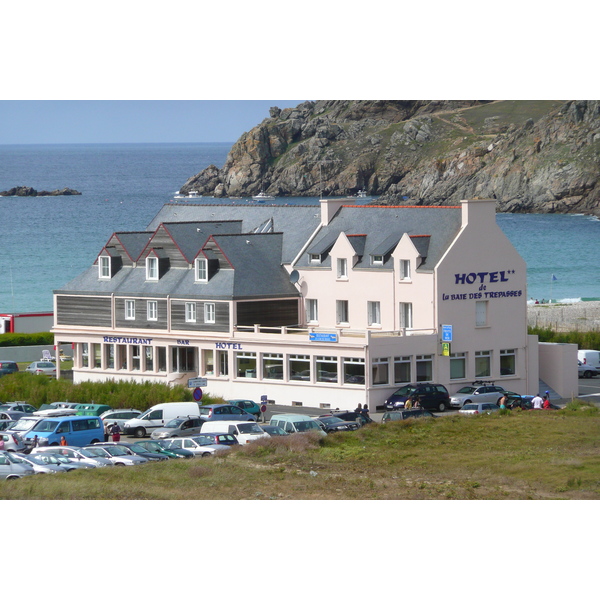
x: 361, y: 194
x: 262, y: 196
x: 191, y: 195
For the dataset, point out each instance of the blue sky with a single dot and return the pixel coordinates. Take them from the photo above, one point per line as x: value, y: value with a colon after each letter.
x: 130, y: 121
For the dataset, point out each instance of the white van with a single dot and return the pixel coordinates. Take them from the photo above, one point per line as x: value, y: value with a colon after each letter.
x: 589, y: 357
x: 292, y: 423
x: 158, y: 415
x: 244, y: 431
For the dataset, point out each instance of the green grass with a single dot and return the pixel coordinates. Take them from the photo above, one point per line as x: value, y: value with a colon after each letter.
x: 518, y: 455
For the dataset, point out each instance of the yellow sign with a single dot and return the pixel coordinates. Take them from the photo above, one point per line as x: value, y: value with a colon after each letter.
x: 445, y: 348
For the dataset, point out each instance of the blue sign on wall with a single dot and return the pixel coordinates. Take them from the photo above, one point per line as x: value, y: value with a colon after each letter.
x: 446, y: 333
x: 323, y: 337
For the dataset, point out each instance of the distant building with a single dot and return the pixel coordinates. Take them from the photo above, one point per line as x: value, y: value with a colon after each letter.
x: 317, y: 307
x: 26, y: 322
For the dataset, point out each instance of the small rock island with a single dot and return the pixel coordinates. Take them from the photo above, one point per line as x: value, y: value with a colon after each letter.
x: 29, y: 191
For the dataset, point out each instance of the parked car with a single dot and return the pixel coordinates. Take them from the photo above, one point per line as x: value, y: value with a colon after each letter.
x: 118, y: 455
x: 78, y: 431
x: 23, y: 425
x: 11, y: 468
x: 39, y: 465
x: 81, y: 456
x: 40, y: 367
x: 226, y: 439
x: 137, y: 450
x: 18, y: 407
x: 119, y: 416
x: 352, y: 415
x: 92, y: 410
x: 478, y: 392
x: 73, y: 464
x: 431, y: 396
x: 179, y: 427
x: 481, y: 408
x: 244, y: 431
x: 273, y: 430
x: 295, y: 423
x: 332, y: 424
x: 10, y: 415
x: 200, y: 445
x: 222, y: 412
x: 4, y: 424
x: 57, y: 460
x: 12, y: 443
x: 586, y: 371
x: 157, y: 447
x: 157, y: 415
x: 514, y: 400
x: 248, y: 405
x: 8, y: 366
x: 402, y: 415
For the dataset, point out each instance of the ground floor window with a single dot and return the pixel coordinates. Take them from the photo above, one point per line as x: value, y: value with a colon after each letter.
x: 97, y: 352
x: 161, y: 357
x: 272, y: 366
x: 121, y: 356
x: 223, y: 362
x: 109, y: 356
x: 458, y: 365
x: 424, y: 367
x: 208, y: 362
x: 327, y: 369
x: 483, y: 363
x: 402, y: 369
x: 148, y: 358
x: 380, y: 369
x: 245, y: 364
x: 85, y: 355
x: 299, y: 366
x: 354, y: 370
x: 508, y: 362
x: 184, y: 359
x: 135, y: 358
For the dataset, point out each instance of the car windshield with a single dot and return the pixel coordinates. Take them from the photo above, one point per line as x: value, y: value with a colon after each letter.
x: 468, y: 389
x: 331, y: 420
x: 44, y: 365
x: 227, y: 437
x: 471, y: 407
x: 137, y: 448
x: 306, y: 425
x: 175, y: 422
x: 91, y: 452
x: 46, y: 458
x: 152, y: 446
x: 62, y: 459
x: 405, y: 390
x: 116, y: 450
x: 249, y: 428
x: 203, y: 440
x: 37, y: 459
x: 23, y: 425
x: 45, y: 426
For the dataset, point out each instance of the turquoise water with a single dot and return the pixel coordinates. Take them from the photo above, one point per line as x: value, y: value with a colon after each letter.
x: 45, y: 242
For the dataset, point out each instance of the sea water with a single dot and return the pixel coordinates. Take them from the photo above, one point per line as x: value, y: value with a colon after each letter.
x: 47, y: 241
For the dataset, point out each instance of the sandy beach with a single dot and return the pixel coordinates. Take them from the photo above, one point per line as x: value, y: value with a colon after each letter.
x: 579, y: 316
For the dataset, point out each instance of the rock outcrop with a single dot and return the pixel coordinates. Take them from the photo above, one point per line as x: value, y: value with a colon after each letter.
x: 29, y: 191
x: 532, y: 156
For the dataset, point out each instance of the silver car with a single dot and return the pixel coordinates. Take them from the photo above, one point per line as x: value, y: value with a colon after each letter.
x: 40, y: 367
x: 39, y: 465
x: 75, y: 455
x: 179, y: 427
x: 118, y: 455
x: 477, y: 393
x: 199, y: 445
x: 12, y: 443
x: 119, y: 416
x: 11, y: 468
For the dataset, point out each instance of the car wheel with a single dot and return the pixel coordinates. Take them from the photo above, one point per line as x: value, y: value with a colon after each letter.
x: 442, y: 407
x: 139, y: 432
x: 206, y: 454
x: 119, y: 464
x: 95, y: 441
x: 466, y: 402
x: 587, y: 374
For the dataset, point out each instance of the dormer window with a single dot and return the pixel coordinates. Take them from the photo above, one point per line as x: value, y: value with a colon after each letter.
x: 104, y: 267
x: 202, y: 270
x: 377, y: 259
x: 152, y: 268
x: 315, y: 258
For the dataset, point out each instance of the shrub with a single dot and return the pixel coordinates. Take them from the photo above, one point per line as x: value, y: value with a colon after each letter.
x: 43, y: 338
x: 278, y: 444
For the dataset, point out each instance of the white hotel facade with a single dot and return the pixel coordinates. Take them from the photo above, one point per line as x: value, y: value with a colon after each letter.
x: 316, y: 307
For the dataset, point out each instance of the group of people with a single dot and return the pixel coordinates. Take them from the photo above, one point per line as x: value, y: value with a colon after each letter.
x: 412, y: 402
x: 362, y: 410
x: 113, y: 430
x: 538, y: 402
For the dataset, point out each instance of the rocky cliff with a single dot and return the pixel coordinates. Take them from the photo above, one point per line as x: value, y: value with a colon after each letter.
x: 532, y: 156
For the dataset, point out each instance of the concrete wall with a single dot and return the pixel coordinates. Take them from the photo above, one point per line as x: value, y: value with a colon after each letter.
x: 30, y: 353
x: 558, y: 368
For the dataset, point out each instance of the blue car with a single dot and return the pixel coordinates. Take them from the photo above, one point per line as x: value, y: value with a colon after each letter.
x: 248, y: 405
x: 224, y: 412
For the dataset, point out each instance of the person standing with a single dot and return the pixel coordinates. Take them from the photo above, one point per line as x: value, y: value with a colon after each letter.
x: 408, y: 404
x: 115, y: 431
x: 502, y: 402
x: 63, y: 441
x: 537, y: 402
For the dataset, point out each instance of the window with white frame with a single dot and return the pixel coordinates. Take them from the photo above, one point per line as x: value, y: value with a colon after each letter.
x: 327, y: 369
x: 483, y: 363
x: 209, y: 312
x: 342, y: 268
x: 152, y: 310
x: 342, y: 317
x: 402, y: 369
x: 380, y: 368
x: 148, y: 358
x: 458, y: 365
x: 315, y: 258
x: 130, y: 310
x: 377, y: 259
x: 424, y: 364
x: 481, y: 313
x: 272, y: 365
x: 136, y: 358
x: 508, y: 362
x: 190, y: 312
x: 354, y: 370
x: 223, y: 360
x: 312, y: 310
x: 374, y: 313
x: 201, y: 270
x: 104, y: 267
x: 406, y: 315
x: 299, y: 366
x: 404, y: 270
x: 152, y: 268
x: 245, y: 364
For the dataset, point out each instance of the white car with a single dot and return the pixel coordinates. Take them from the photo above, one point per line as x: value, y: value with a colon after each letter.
x: 118, y: 455
x: 478, y: 392
x: 40, y: 367
x: 199, y: 445
x: 483, y: 408
x: 587, y: 371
